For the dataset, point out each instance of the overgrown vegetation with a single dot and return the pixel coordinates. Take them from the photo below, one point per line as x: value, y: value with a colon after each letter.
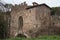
x: 38, y: 38
x: 55, y: 11
x: 3, y: 26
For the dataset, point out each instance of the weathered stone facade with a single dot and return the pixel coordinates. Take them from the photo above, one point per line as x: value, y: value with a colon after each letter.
x: 32, y: 21
x: 29, y: 20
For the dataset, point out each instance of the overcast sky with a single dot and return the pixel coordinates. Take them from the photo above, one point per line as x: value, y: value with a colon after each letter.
x: 51, y: 3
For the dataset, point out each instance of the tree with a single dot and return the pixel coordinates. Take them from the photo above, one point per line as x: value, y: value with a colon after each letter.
x: 3, y: 26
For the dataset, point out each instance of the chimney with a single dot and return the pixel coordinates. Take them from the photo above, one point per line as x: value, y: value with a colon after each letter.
x: 34, y: 3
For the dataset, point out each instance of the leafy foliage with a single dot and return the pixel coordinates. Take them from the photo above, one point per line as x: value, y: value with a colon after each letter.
x: 55, y: 11
x: 3, y: 25
x: 54, y: 37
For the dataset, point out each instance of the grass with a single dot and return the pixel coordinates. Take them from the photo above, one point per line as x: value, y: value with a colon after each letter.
x: 38, y: 38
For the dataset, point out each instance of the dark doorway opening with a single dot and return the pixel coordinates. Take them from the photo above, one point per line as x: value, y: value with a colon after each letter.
x: 21, y: 35
x: 20, y: 23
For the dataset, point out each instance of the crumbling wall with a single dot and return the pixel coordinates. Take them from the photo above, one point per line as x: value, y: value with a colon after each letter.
x: 55, y: 23
x: 43, y: 17
x: 17, y: 11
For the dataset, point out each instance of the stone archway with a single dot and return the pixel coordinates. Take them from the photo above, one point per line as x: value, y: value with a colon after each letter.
x: 20, y: 23
x: 25, y: 35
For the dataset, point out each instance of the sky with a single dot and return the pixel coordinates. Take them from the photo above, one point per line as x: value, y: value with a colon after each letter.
x: 51, y: 3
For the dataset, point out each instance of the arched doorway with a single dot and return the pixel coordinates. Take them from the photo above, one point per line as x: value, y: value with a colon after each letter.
x: 20, y: 23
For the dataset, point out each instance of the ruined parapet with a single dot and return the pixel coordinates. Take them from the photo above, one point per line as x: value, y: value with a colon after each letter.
x: 19, y: 7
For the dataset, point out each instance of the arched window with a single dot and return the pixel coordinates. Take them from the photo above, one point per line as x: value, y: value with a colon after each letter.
x: 20, y: 22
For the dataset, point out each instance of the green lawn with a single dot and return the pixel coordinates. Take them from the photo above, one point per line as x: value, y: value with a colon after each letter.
x: 38, y: 38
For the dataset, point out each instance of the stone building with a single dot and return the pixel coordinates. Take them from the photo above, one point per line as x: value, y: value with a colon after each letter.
x: 29, y: 20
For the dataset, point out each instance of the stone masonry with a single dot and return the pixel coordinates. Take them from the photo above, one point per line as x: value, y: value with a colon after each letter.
x: 30, y: 21
x: 26, y: 19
